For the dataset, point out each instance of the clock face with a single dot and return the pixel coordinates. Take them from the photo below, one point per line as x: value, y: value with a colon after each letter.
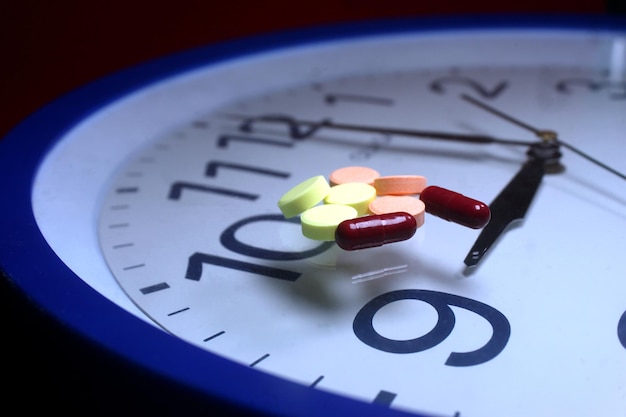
x: 165, y: 202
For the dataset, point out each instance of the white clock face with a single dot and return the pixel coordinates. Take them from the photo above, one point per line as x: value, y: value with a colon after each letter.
x: 173, y: 204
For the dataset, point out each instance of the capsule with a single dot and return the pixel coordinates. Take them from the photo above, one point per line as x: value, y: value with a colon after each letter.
x: 455, y: 207
x: 375, y: 230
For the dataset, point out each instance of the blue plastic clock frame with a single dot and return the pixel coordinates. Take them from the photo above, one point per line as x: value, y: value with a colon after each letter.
x: 30, y: 264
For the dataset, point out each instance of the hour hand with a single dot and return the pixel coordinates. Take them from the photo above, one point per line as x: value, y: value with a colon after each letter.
x: 509, y: 207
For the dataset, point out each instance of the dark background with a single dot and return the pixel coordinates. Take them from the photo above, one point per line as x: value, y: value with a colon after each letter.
x: 51, y: 47
x: 48, y: 48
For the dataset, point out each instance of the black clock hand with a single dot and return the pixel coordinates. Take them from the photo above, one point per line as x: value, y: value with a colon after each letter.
x: 302, y: 129
x: 514, y: 200
x: 509, y: 207
x: 545, y: 135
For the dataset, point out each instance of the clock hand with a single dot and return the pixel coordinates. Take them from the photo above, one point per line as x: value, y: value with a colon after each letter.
x: 540, y: 133
x: 509, y: 207
x: 302, y: 129
x: 543, y: 134
x: 514, y: 200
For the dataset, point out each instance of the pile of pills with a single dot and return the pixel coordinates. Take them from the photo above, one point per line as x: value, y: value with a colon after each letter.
x: 362, y: 209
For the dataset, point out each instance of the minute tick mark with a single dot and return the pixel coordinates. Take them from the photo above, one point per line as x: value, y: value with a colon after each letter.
x: 317, y: 381
x: 127, y: 190
x: 200, y: 124
x: 178, y: 311
x: 154, y: 288
x: 123, y: 245
x: 262, y: 358
x: 213, y: 336
x: 354, y: 98
x: 384, y: 398
x: 128, y: 268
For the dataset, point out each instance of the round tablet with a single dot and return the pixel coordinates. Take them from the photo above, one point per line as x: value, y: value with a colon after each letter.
x: 399, y: 203
x: 355, y: 194
x: 303, y: 196
x: 400, y: 184
x: 320, y: 222
x: 353, y: 174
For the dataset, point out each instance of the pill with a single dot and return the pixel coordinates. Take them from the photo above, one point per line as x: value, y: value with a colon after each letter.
x: 355, y: 194
x: 320, y: 222
x: 375, y: 230
x: 400, y: 184
x: 399, y: 203
x: 353, y: 174
x: 304, y: 196
x: 455, y: 207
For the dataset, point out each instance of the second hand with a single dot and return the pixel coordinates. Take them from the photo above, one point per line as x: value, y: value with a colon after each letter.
x: 545, y: 135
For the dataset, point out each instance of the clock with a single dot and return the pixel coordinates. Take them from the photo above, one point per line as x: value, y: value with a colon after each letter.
x: 141, y: 215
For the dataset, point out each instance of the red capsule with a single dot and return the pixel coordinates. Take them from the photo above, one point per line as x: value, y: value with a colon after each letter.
x: 455, y: 207
x: 375, y: 230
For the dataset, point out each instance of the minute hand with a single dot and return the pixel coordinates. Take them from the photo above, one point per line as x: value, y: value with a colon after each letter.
x: 302, y: 129
x: 425, y: 134
x: 508, y: 207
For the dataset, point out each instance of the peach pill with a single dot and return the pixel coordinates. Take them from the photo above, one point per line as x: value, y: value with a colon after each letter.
x: 400, y: 184
x: 399, y: 203
x: 353, y: 174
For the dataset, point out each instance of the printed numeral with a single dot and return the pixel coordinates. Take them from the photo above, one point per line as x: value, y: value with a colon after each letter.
x: 177, y: 188
x: 364, y: 329
x: 441, y: 86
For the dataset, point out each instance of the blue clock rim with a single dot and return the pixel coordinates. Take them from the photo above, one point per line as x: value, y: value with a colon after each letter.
x: 30, y: 264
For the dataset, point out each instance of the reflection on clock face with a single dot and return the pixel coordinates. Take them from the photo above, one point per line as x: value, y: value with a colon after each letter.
x: 191, y: 230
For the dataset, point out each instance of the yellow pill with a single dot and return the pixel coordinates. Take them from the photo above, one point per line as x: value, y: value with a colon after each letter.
x: 304, y: 196
x: 354, y: 194
x: 400, y: 184
x: 353, y: 174
x: 320, y: 222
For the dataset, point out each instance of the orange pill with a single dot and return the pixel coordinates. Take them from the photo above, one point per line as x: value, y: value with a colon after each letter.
x: 400, y: 184
x: 399, y: 203
x: 353, y: 174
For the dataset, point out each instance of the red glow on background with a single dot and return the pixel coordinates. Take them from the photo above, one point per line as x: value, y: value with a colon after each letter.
x: 49, y: 48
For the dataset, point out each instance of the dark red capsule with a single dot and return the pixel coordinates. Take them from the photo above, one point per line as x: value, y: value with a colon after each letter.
x: 455, y: 207
x: 375, y: 230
